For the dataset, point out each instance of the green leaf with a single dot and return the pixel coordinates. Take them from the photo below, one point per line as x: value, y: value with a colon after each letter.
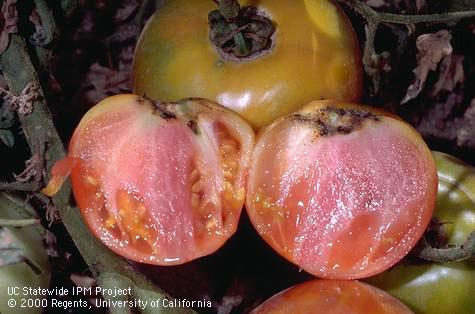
x: 7, y: 137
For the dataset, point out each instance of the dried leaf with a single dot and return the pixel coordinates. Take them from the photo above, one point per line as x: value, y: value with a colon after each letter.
x: 466, y: 130
x: 451, y: 74
x: 39, y: 35
x: 126, y: 10
x: 420, y: 4
x: 431, y: 49
x: 106, y: 82
x: 9, y: 20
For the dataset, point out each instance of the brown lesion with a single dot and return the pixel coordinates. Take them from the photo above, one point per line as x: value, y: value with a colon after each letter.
x: 331, y: 120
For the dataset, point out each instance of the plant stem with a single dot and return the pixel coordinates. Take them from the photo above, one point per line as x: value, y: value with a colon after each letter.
x: 453, y: 254
x: 374, y: 18
x: 18, y: 222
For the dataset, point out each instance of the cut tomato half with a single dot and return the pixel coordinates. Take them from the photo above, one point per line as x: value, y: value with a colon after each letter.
x: 160, y: 183
x: 343, y: 191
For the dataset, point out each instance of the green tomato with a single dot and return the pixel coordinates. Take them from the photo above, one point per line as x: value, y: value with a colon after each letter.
x: 29, y: 240
x: 441, y: 288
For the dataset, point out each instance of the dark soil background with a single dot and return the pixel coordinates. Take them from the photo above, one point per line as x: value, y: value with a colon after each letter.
x: 92, y: 58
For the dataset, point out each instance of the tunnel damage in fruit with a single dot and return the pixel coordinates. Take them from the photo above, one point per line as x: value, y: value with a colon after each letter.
x: 331, y: 120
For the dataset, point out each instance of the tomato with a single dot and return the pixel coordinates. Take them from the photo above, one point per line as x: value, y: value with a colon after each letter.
x: 159, y: 183
x: 343, y: 191
x: 332, y: 297
x: 314, y: 55
x: 29, y: 240
x: 441, y: 288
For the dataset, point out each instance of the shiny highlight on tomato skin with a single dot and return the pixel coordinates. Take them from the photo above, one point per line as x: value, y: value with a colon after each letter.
x: 159, y: 183
x: 341, y: 190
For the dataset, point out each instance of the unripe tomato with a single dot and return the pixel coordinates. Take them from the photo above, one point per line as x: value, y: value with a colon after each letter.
x: 159, y: 183
x: 314, y: 55
x: 343, y: 191
x: 332, y: 297
x: 432, y: 288
x: 29, y: 240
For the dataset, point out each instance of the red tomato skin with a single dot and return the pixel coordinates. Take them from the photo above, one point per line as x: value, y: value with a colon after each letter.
x: 332, y: 297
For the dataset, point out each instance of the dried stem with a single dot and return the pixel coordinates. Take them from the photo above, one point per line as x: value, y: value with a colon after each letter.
x: 459, y: 253
x: 375, y: 18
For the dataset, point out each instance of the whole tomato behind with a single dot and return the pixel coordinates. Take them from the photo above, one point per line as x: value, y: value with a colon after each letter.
x: 313, y: 54
x: 432, y: 288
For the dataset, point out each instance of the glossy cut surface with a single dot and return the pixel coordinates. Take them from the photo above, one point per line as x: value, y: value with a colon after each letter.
x: 343, y: 191
x: 433, y: 288
x: 315, y: 56
x: 160, y: 183
x: 332, y: 297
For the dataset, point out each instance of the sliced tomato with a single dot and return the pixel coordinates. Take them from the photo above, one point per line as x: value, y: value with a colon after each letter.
x: 332, y: 297
x: 343, y: 191
x: 160, y: 183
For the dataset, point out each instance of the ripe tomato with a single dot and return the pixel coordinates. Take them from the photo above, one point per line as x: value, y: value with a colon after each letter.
x: 159, y: 183
x: 343, y: 191
x: 314, y: 55
x: 431, y: 288
x: 332, y: 297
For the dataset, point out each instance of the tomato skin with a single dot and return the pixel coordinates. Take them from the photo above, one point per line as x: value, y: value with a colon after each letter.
x: 316, y: 56
x: 432, y: 288
x: 332, y: 297
x: 339, y: 199
x: 160, y: 183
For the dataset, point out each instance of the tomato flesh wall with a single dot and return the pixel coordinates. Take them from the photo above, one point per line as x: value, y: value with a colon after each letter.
x: 160, y: 183
x: 341, y: 191
x: 332, y: 297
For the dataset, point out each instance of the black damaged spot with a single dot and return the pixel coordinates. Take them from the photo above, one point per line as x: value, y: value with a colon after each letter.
x: 162, y: 110
x: 193, y: 125
x: 332, y: 120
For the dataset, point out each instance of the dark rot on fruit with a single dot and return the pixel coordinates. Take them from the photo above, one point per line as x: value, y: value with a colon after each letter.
x: 343, y: 191
x: 158, y: 183
x: 332, y: 297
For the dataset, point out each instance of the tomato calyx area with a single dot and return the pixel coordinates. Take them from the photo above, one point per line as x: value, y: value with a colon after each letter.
x: 240, y: 33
